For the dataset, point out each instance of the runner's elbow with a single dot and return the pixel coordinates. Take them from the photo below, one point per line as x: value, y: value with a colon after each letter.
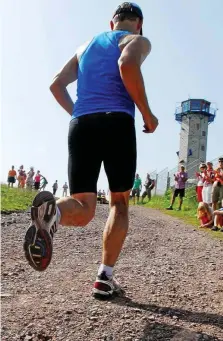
x: 56, y: 83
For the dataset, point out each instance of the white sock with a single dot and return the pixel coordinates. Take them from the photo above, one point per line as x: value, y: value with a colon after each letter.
x: 107, y: 269
x: 58, y: 215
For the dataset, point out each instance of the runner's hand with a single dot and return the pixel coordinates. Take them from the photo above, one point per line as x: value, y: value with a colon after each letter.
x: 150, y: 124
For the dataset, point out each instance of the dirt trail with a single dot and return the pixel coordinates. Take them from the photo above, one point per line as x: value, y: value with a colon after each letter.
x: 173, y: 276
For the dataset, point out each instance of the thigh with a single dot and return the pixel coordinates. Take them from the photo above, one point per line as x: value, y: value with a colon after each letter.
x: 182, y: 192
x: 133, y: 193
x: 84, y: 155
x: 221, y: 193
x: 215, y: 193
x: 120, y: 152
x: 176, y: 192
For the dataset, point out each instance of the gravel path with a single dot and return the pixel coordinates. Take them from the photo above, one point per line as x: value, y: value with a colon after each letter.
x: 172, y: 274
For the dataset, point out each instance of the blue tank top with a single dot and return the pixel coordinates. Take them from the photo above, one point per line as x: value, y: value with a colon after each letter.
x: 99, y: 85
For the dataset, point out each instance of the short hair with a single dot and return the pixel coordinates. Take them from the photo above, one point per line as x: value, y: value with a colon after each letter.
x: 125, y: 16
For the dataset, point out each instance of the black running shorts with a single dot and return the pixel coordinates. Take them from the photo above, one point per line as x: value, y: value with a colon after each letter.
x: 180, y: 192
x: 101, y: 137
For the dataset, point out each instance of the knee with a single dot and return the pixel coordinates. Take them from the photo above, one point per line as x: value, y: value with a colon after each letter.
x: 120, y: 202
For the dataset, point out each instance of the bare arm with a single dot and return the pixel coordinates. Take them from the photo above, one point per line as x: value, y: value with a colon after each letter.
x: 67, y: 75
x: 130, y: 61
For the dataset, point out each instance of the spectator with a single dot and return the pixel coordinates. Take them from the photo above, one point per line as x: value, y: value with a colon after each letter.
x: 218, y: 219
x: 200, y: 184
x: 55, y: 187
x: 208, y: 178
x: 65, y: 188
x: 180, y: 182
x: 11, y: 177
x: 205, y: 215
x: 37, y: 181
x: 149, y: 185
x: 137, y: 187
x: 217, y: 192
x: 99, y: 193
x: 44, y: 183
x: 21, y: 177
x: 29, y: 180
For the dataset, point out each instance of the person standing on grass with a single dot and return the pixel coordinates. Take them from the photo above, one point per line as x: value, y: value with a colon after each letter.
x: 181, y: 178
x: 200, y: 183
x: 37, y: 180
x: 208, y: 178
x: 21, y: 177
x: 29, y: 180
x: 149, y: 185
x: 137, y: 187
x: 109, y: 84
x: 11, y: 177
x: 217, y: 189
x: 65, y: 188
x: 55, y: 187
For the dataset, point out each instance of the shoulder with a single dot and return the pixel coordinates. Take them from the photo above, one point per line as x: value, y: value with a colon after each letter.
x: 82, y: 48
x: 142, y: 42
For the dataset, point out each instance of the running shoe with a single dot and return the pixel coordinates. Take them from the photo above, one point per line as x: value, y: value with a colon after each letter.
x: 170, y: 208
x: 38, y: 244
x: 105, y: 287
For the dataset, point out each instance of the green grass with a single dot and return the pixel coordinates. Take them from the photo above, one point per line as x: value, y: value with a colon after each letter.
x: 188, y: 212
x: 15, y: 199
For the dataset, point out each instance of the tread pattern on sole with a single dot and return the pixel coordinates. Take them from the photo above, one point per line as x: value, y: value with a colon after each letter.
x: 38, y: 245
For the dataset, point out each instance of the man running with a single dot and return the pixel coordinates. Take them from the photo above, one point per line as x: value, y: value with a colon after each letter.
x: 109, y: 84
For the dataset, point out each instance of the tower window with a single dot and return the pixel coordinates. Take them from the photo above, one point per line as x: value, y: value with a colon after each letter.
x: 203, y: 133
x: 202, y: 148
x: 198, y: 126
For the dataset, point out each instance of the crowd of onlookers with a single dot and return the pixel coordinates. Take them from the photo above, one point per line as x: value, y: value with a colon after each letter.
x: 31, y: 180
x: 209, y: 190
x: 209, y: 193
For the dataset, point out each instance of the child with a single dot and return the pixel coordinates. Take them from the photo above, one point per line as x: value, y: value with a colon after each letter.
x: 205, y: 215
x: 218, y: 219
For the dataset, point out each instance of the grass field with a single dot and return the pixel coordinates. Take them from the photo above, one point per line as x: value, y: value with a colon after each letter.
x: 15, y: 199
x: 188, y: 212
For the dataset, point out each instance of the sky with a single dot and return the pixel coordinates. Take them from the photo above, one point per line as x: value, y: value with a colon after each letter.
x: 39, y: 37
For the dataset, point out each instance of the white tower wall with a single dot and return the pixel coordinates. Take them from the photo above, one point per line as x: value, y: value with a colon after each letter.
x: 193, y: 141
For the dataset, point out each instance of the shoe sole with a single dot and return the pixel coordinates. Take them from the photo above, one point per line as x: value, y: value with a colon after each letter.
x: 38, y: 246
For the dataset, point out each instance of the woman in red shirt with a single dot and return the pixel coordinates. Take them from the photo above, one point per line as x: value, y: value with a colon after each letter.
x: 37, y: 181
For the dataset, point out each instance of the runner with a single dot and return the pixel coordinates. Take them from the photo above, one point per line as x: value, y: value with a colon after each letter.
x: 11, y: 177
x: 109, y: 82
